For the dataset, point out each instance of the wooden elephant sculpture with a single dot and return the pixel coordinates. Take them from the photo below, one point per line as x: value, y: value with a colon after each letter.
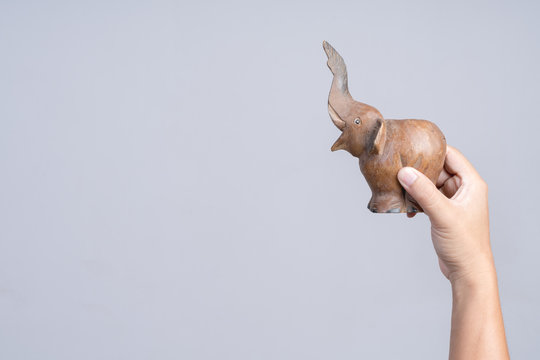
x: 383, y: 146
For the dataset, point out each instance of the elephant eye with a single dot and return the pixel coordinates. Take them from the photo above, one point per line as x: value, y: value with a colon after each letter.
x: 357, y: 121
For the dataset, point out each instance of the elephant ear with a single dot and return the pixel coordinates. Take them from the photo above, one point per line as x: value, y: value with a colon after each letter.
x: 379, y: 137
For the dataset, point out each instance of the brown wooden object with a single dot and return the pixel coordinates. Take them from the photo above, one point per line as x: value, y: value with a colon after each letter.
x: 383, y: 146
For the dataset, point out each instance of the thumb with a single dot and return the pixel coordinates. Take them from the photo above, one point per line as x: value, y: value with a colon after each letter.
x: 422, y: 190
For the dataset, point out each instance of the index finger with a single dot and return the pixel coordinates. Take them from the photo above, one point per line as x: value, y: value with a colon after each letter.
x: 457, y: 164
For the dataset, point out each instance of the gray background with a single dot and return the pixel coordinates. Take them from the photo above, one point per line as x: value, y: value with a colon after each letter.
x: 167, y: 189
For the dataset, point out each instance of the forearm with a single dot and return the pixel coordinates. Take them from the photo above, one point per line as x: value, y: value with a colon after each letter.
x: 477, y: 324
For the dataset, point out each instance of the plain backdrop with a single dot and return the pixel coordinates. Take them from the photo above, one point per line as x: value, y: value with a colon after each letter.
x: 167, y: 189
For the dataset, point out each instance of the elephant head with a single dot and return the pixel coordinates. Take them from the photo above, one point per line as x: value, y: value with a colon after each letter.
x: 363, y: 127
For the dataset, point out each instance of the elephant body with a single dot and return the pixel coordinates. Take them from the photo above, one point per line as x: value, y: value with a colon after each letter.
x: 416, y: 143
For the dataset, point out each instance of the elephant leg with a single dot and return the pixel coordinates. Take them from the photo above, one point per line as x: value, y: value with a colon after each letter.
x: 411, y: 206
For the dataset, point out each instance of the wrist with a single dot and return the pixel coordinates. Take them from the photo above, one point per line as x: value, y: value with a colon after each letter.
x: 474, y: 270
x: 483, y: 279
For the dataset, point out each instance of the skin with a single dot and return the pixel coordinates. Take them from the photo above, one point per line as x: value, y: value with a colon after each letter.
x: 458, y: 210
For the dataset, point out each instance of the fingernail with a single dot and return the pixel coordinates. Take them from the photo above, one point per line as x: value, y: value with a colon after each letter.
x: 407, y: 176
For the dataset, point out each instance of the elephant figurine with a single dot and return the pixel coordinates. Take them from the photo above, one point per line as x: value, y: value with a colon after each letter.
x: 383, y: 146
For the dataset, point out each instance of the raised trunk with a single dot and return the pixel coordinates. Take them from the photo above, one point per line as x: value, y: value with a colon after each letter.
x: 339, y: 100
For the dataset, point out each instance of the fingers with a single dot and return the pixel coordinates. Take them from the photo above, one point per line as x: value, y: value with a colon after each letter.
x: 456, y: 163
x: 423, y: 191
x: 443, y: 177
x: 451, y: 186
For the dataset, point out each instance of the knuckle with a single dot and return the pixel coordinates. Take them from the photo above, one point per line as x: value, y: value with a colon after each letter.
x: 483, y: 186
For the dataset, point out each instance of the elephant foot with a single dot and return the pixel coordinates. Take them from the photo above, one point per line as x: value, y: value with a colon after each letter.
x: 387, y: 204
x: 393, y: 203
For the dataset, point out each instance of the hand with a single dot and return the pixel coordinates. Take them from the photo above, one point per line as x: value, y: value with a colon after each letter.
x: 458, y: 210
x: 457, y: 207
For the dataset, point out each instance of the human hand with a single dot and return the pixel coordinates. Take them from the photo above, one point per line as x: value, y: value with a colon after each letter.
x: 458, y: 210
